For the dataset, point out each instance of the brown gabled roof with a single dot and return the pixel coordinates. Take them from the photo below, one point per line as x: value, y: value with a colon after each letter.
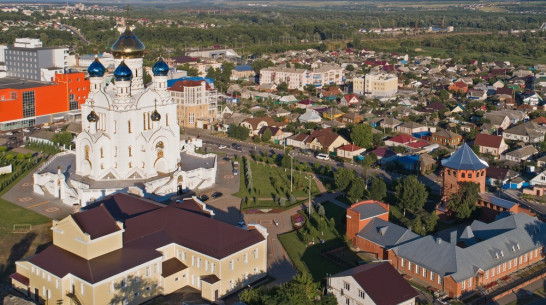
x: 211, y: 279
x: 199, y: 233
x: 488, y: 140
x: 382, y: 283
x: 123, y: 206
x: 299, y: 137
x: 61, y: 262
x: 172, y: 266
x: 180, y: 85
x: 255, y: 121
x: 324, y: 136
x: 96, y: 222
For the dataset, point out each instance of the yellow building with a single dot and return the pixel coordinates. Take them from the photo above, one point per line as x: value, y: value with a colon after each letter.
x: 196, y: 103
x: 126, y: 250
x: 358, y: 85
x: 380, y: 85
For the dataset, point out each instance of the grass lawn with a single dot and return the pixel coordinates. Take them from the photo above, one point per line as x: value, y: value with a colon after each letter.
x: 271, y: 182
x: 310, y: 259
x: 15, y: 246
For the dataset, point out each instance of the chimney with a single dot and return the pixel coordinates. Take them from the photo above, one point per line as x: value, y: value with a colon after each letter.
x: 75, y: 208
x: 453, y: 237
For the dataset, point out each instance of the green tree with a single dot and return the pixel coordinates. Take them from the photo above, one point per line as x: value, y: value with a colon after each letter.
x: 238, y: 132
x: 283, y: 87
x: 62, y: 138
x: 356, y: 190
x: 361, y: 135
x: 343, y: 178
x: 192, y: 71
x: 266, y: 137
x: 377, y: 190
x: 410, y: 194
x: 350, y: 67
x: 463, y: 203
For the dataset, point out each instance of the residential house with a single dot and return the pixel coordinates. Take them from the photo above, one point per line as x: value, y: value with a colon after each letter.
x: 371, y: 284
x: 277, y: 135
x: 478, y: 95
x: 349, y: 100
x: 530, y: 98
x: 495, y: 175
x: 384, y: 154
x: 42, y: 137
x: 325, y: 140
x: 288, y: 99
x: 303, y: 104
x: 498, y: 120
x: 242, y: 72
x: 297, y: 140
x: 332, y: 113
x: 310, y: 116
x: 528, y: 132
x: 400, y: 140
x: 411, y: 128
x: 426, y: 163
x: 458, y: 108
x: 459, y: 87
x: 390, y: 123
x: 255, y: 124
x: 294, y: 78
x: 490, y: 144
x: 280, y: 112
x: 127, y: 243
x: 521, y: 154
x: 539, y: 179
x: 352, y: 118
x: 541, y: 162
x: 446, y: 137
x: 350, y: 151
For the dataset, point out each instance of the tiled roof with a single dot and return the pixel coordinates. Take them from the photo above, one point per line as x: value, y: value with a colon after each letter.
x: 464, y: 158
x: 402, y: 138
x: 96, y: 222
x: 487, y: 140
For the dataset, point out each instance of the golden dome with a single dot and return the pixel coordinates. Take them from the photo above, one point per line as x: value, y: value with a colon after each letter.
x: 128, y: 45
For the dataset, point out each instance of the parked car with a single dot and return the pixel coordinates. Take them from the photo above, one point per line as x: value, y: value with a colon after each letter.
x: 216, y: 194
x: 322, y: 157
x: 221, y: 146
x: 235, y: 168
x: 203, y: 198
x: 9, y: 133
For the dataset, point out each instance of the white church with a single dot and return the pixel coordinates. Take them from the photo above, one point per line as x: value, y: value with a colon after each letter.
x: 130, y: 139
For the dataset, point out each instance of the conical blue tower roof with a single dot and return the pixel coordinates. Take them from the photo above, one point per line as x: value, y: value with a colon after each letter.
x: 96, y: 68
x: 123, y: 72
x: 160, y: 68
x: 465, y: 158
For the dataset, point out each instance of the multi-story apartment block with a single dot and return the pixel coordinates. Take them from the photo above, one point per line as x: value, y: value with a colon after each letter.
x: 380, y: 85
x: 26, y: 103
x: 196, y: 103
x: 358, y: 85
x: 299, y: 78
x: 27, y: 57
x: 126, y: 250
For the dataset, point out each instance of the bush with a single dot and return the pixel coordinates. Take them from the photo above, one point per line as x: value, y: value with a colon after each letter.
x: 282, y: 202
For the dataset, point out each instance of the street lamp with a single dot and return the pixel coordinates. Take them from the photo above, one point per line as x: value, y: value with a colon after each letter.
x: 309, y: 178
x: 291, y: 170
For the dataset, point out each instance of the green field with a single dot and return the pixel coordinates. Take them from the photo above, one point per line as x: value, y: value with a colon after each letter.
x: 309, y: 258
x: 269, y: 183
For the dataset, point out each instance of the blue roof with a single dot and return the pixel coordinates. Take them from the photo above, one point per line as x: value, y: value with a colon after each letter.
x: 123, y: 72
x: 171, y: 82
x: 96, y: 68
x: 243, y: 68
x: 160, y: 68
x: 408, y: 159
x: 465, y: 158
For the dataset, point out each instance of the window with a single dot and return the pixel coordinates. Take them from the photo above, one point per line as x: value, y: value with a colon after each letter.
x: 129, y: 126
x: 184, y: 256
x: 178, y: 253
x: 148, y: 271
x: 206, y: 265
x: 509, y: 264
x: 520, y: 259
x: 57, y: 284
x: 193, y: 260
x: 431, y: 275
x: 416, y: 268
x: 191, y: 119
x: 439, y: 279
x: 29, y: 104
x: 498, y: 269
x: 82, y: 288
x: 361, y: 294
x: 130, y: 151
x: 72, y: 103
x: 469, y: 283
x: 231, y: 265
x: 463, y: 285
x: 424, y: 272
x: 255, y: 253
x: 346, y: 286
x: 213, y: 267
x: 402, y: 262
x: 493, y: 272
x: 198, y: 262
x: 245, y: 258
x: 409, y: 266
x: 469, y: 175
x: 462, y: 175
x: 156, y: 269
x: 525, y: 258
x: 504, y: 267
x: 487, y: 274
x: 347, y: 301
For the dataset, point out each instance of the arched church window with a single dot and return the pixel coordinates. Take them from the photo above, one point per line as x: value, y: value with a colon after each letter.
x: 144, y: 120
x: 469, y: 175
x: 129, y: 126
x: 86, y: 152
x: 143, y: 164
x: 167, y: 119
x: 130, y: 165
x: 102, y: 153
x: 130, y: 151
x: 462, y: 175
x: 115, y: 151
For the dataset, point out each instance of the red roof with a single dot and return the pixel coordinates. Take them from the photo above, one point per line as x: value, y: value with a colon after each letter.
x: 383, y: 152
x: 402, y: 138
x: 20, y: 278
x: 418, y: 144
x: 488, y: 140
x: 180, y: 85
x: 460, y: 85
x: 540, y: 120
x: 350, y: 147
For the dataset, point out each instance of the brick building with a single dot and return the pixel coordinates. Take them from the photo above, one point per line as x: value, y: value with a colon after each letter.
x: 463, y: 166
x: 457, y: 262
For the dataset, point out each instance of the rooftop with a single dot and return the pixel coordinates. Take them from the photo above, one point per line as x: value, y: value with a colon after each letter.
x: 19, y: 83
x: 464, y: 159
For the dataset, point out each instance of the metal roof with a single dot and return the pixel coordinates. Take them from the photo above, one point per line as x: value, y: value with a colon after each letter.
x: 464, y: 158
x: 386, y: 234
x: 369, y: 210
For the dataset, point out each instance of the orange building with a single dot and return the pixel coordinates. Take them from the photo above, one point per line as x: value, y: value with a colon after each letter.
x: 463, y: 166
x: 25, y: 103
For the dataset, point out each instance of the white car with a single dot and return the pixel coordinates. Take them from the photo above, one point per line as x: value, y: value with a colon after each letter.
x: 26, y: 130
x: 323, y: 157
x: 221, y: 146
x: 9, y: 133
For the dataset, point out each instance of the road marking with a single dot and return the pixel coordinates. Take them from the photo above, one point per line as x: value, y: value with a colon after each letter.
x: 25, y: 199
x: 51, y: 209
x: 37, y: 205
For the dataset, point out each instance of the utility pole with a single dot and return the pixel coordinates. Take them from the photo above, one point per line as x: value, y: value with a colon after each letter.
x: 291, y: 171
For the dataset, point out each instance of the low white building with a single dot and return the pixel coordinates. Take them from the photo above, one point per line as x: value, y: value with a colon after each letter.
x: 370, y: 284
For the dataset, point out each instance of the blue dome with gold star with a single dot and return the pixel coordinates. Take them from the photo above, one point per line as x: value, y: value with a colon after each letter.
x: 96, y: 69
x: 160, y: 68
x: 123, y: 72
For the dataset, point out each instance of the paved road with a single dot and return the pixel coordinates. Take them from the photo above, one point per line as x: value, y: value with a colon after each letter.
x: 430, y: 180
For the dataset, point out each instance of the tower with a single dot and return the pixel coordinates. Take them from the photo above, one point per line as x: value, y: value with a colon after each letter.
x: 128, y: 132
x: 463, y: 166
